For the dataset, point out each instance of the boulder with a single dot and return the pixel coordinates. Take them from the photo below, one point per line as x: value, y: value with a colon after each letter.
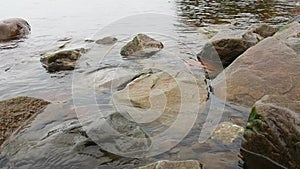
x: 16, y: 112
x: 227, y: 45
x: 269, y: 68
x: 14, y: 28
x: 165, y: 164
x: 141, y: 46
x: 61, y: 60
x: 273, y: 134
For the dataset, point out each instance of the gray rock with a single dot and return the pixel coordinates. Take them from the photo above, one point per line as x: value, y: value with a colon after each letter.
x: 14, y: 28
x: 141, y: 46
x: 107, y: 41
x: 165, y: 164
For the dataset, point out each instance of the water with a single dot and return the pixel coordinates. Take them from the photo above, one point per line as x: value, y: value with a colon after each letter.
x: 177, y: 24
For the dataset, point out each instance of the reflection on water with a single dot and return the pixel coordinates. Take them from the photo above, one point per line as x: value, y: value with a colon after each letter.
x: 238, y: 12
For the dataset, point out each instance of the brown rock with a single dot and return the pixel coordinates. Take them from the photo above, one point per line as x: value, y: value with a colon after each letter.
x: 15, y: 112
x: 13, y: 28
x: 162, y: 95
x: 61, y: 60
x: 270, y: 68
x: 273, y: 133
x: 141, y: 46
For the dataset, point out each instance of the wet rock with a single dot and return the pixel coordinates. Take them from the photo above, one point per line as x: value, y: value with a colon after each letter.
x: 159, y: 96
x: 14, y: 28
x: 107, y: 41
x: 61, y: 60
x: 126, y: 138
x: 264, y: 30
x: 273, y: 133
x: 227, y: 132
x: 227, y: 45
x: 16, y: 112
x: 224, y: 160
x: 190, y: 164
x: 141, y: 46
x: 269, y: 68
x: 64, y: 146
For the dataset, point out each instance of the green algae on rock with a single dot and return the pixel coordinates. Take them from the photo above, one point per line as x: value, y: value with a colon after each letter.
x: 273, y: 132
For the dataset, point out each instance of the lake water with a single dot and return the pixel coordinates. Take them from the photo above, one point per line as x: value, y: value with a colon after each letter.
x: 177, y: 23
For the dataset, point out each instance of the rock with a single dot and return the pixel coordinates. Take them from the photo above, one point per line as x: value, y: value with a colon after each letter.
x: 127, y: 138
x: 226, y: 159
x: 227, y: 132
x: 160, y: 96
x: 65, y: 146
x: 15, y: 112
x: 227, y: 45
x: 273, y: 133
x: 269, y: 68
x: 61, y: 60
x: 14, y: 28
x: 165, y: 164
x: 264, y: 30
x: 141, y: 46
x: 107, y: 41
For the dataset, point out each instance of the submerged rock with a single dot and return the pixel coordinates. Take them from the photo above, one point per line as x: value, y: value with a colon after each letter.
x: 227, y: 132
x: 160, y: 96
x: 15, y: 112
x: 165, y: 164
x: 61, y: 60
x: 141, y: 46
x: 273, y: 133
x: 14, y: 28
x: 107, y: 41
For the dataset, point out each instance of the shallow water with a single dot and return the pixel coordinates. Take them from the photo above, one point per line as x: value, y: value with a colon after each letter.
x: 173, y: 22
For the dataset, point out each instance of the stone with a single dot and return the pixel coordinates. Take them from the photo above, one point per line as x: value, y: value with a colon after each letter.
x: 160, y: 96
x: 273, y: 133
x: 141, y: 46
x: 269, y: 68
x: 107, y: 41
x: 61, y: 60
x: 226, y: 46
x: 16, y: 112
x: 165, y: 164
x: 264, y: 30
x: 13, y: 28
x: 227, y: 132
